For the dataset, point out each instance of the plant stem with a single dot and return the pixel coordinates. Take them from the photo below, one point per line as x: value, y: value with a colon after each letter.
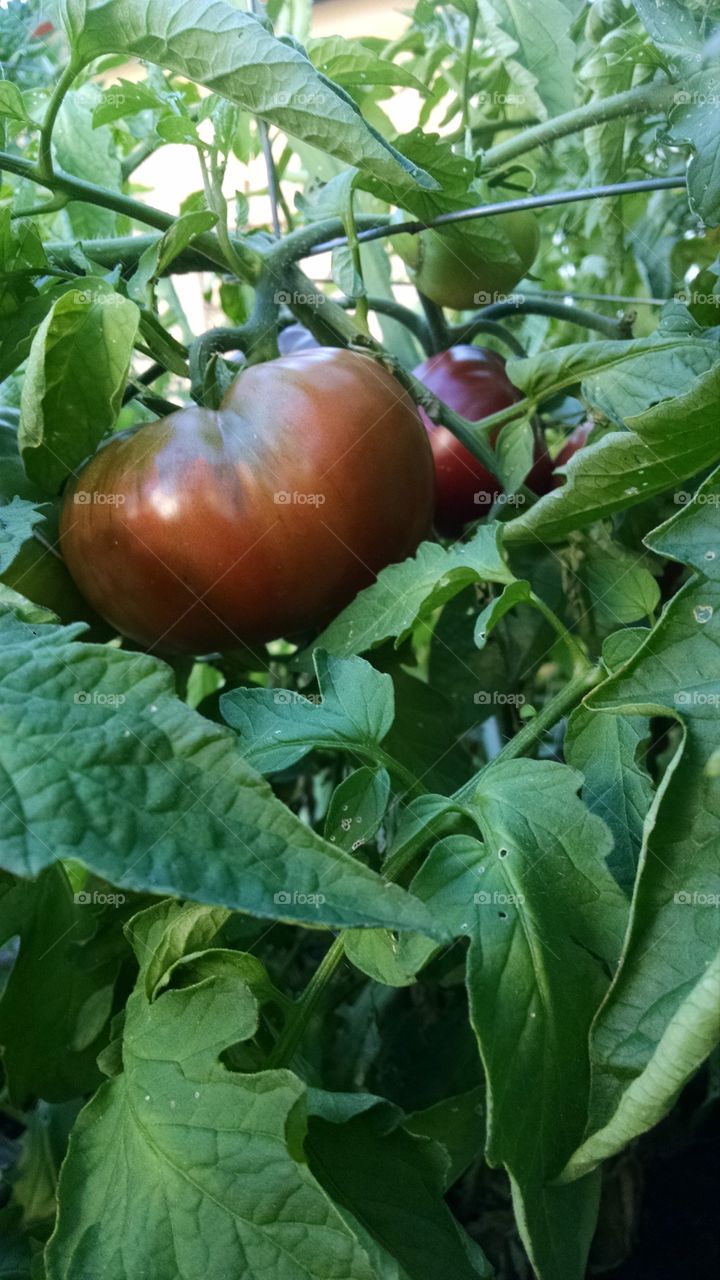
x: 531, y: 733
x: 294, y: 1029
x: 643, y: 99
x: 550, y: 200
x: 396, y: 311
x: 44, y: 168
x: 436, y: 324
x: 579, y: 658
x: 460, y: 333
x: 525, y: 305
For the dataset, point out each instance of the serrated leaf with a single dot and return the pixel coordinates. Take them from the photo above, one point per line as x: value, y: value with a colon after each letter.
x: 542, y: 40
x: 672, y: 29
x: 157, y: 258
x: 696, y: 119
x: 125, y: 99
x: 662, y: 1015
x: 620, y: 588
x: 100, y: 722
x: 350, y: 63
x: 513, y: 594
x: 405, y: 594
x: 17, y: 521
x: 199, y: 1143
x: 12, y: 102
x: 75, y: 377
x: 89, y: 153
x: 353, y: 711
x: 664, y: 446
x: 234, y: 54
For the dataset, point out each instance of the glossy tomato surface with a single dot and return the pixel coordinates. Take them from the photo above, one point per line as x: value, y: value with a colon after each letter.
x: 207, y: 529
x: 473, y: 382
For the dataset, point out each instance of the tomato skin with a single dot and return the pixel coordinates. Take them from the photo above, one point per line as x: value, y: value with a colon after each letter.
x: 473, y: 382
x: 447, y: 267
x: 575, y: 441
x: 207, y: 529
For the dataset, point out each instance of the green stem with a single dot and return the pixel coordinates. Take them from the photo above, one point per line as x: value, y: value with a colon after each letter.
x: 577, y: 654
x: 524, y: 305
x: 44, y: 167
x: 294, y: 1029
x: 361, y: 304
x: 533, y: 731
x: 460, y: 333
x: 467, y: 77
x: 396, y: 311
x: 641, y: 100
x: 436, y: 324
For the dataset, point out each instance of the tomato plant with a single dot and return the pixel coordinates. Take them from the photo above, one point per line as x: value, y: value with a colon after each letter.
x: 358, y: 855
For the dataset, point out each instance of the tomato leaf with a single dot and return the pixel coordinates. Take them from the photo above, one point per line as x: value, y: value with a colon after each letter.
x: 101, y: 722
x: 199, y: 1143
x: 17, y: 521
x: 662, y: 1017
x: 357, y: 808
x: 353, y: 711
x: 75, y: 377
x: 406, y: 594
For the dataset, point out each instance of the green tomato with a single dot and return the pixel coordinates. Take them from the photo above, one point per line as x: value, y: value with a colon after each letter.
x: 450, y: 268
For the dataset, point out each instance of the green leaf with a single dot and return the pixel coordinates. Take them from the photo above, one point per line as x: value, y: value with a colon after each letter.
x: 672, y: 29
x: 17, y: 521
x: 353, y: 711
x: 44, y: 1143
x: 513, y: 594
x: 188, y: 817
x: 696, y: 119
x: 89, y: 153
x: 236, y: 56
x: 357, y: 808
x: 155, y: 260
x: 13, y: 480
x: 620, y: 588
x: 607, y: 751
x: 545, y: 921
x: 56, y: 1004
x: 199, y: 1144
x: 124, y: 99
x: 408, y: 593
x: 393, y: 1185
x: 541, y: 38
x: 662, y: 1015
x: 12, y: 102
x: 514, y: 451
x: 75, y: 377
x: 654, y: 455
x: 350, y: 63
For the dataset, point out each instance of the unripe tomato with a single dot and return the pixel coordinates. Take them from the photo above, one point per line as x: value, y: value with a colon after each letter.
x: 575, y: 441
x: 448, y: 267
x: 473, y: 382
x: 207, y: 529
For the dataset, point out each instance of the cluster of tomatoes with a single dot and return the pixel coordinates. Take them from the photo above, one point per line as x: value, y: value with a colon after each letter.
x: 209, y: 529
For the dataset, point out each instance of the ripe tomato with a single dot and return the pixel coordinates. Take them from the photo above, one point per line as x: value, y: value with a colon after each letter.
x: 473, y: 382
x: 575, y: 441
x: 449, y: 269
x: 207, y: 529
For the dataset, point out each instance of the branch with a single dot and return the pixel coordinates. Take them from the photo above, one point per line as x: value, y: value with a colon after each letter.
x: 643, y: 99
x: 617, y: 329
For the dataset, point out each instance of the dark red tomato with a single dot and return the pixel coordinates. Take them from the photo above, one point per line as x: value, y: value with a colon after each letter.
x: 473, y: 382
x: 207, y: 529
x: 575, y: 441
